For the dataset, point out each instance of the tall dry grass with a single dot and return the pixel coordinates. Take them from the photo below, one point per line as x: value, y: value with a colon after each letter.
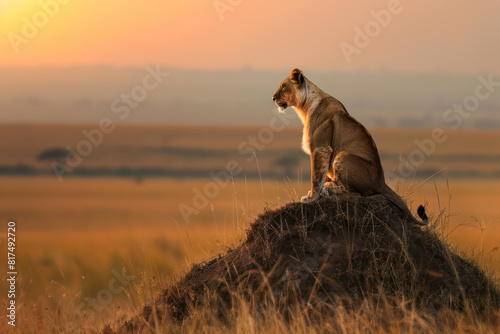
x: 59, y: 311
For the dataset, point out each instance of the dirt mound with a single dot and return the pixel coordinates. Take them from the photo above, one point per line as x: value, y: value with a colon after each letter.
x: 343, y: 249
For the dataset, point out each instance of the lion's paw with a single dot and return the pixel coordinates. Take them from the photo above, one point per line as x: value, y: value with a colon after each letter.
x: 305, y: 199
x: 331, y: 189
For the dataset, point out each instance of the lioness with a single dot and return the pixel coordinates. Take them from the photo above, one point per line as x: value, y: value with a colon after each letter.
x: 341, y: 149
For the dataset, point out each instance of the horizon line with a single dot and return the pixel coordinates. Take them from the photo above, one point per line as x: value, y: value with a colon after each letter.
x: 244, y: 68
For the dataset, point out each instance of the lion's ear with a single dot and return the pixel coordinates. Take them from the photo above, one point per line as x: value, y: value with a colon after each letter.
x: 296, y: 76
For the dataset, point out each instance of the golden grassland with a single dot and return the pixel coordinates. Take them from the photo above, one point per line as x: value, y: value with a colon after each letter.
x: 73, y: 235
x: 86, y: 227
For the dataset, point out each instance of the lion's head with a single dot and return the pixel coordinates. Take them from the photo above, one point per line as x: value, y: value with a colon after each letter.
x: 289, y: 93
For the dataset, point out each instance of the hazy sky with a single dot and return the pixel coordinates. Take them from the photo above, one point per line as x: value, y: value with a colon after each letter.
x: 422, y: 35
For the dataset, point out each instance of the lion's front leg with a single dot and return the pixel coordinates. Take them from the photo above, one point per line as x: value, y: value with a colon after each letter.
x: 320, y: 165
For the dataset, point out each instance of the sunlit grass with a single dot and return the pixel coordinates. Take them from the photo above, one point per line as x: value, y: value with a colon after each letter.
x: 74, y: 235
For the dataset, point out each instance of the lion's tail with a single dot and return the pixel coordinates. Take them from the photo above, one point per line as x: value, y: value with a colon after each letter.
x: 394, y: 198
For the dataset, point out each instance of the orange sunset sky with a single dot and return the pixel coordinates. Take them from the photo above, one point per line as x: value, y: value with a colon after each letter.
x: 424, y: 36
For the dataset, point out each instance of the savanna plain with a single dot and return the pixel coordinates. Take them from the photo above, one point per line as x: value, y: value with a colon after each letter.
x: 149, y: 202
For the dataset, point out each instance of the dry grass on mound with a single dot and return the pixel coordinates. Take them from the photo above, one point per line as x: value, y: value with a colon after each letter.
x: 341, y: 264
